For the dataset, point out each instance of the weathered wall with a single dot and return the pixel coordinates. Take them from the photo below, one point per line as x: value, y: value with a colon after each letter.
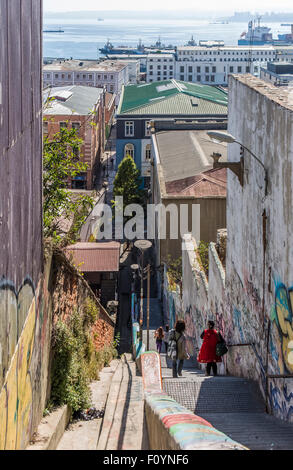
x: 260, y: 251
x: 255, y: 307
x: 71, y: 291
x: 26, y: 386
x: 195, y: 296
x: 24, y: 325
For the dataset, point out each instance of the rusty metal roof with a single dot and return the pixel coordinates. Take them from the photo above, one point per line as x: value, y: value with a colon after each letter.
x: 95, y: 257
x: 212, y: 183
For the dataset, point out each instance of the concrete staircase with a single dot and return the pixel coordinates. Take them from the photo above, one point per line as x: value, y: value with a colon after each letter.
x: 123, y: 426
x: 232, y: 405
x: 120, y: 393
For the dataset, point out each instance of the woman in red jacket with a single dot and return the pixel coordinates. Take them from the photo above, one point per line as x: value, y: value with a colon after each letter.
x: 207, y: 353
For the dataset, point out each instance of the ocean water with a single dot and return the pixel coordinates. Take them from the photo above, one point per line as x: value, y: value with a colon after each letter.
x: 83, y: 39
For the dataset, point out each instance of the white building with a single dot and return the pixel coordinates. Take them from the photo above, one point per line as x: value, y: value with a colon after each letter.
x: 160, y: 67
x: 112, y: 75
x: 212, y: 65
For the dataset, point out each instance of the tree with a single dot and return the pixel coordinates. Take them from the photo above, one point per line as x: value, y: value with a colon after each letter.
x: 60, y: 163
x: 128, y: 183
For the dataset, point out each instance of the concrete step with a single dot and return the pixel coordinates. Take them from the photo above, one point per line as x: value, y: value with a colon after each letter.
x: 215, y: 394
x: 257, y: 431
x: 123, y: 425
x: 84, y: 435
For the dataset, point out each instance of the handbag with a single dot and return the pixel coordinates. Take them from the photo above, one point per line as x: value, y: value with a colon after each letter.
x: 221, y: 348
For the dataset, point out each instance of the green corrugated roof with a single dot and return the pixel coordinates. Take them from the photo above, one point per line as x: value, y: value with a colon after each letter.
x: 180, y: 104
x: 153, y: 98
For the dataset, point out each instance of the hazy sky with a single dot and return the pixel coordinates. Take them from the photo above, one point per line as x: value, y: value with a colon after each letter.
x: 253, y: 5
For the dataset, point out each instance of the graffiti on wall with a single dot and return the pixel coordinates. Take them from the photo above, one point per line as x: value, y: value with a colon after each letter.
x: 16, y: 395
x: 282, y: 317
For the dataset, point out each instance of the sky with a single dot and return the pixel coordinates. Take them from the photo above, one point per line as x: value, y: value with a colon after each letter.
x: 224, y: 5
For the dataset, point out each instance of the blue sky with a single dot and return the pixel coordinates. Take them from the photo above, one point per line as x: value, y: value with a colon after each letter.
x: 224, y: 5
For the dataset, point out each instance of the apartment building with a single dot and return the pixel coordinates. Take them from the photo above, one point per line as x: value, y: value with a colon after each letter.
x: 213, y: 65
x: 108, y: 74
x: 79, y: 107
x: 278, y: 73
x: 160, y: 67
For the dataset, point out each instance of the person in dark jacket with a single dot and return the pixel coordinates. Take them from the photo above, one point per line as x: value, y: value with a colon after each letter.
x: 207, y: 354
x: 182, y: 353
x: 159, y: 337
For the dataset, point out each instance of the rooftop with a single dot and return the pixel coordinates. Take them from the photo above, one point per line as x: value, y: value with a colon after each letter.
x: 211, y: 183
x: 95, y: 257
x: 85, y: 66
x: 173, y: 97
x: 281, y: 96
x: 71, y: 100
x: 184, y: 154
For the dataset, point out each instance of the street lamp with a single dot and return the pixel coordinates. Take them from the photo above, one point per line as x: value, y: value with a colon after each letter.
x: 142, y: 246
x: 236, y: 167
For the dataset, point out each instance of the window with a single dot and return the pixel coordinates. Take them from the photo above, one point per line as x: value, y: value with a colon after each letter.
x: 212, y: 78
x: 148, y: 152
x: 207, y: 69
x: 76, y: 126
x: 147, y: 128
x: 182, y: 69
x: 239, y: 69
x: 198, y: 69
x: 105, y: 77
x: 112, y: 77
x: 198, y: 78
x: 190, y: 69
x: 129, y: 129
x: 214, y: 69
x: 207, y: 78
x: 129, y: 150
x: 231, y: 69
x: 48, y: 75
x: 63, y: 125
x: 90, y: 77
x: 190, y: 78
x: 56, y: 75
x: 45, y: 127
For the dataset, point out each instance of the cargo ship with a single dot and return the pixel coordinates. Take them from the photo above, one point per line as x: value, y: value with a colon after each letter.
x: 54, y: 31
x: 258, y: 35
x: 109, y: 49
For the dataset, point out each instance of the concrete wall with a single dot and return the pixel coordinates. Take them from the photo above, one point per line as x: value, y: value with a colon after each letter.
x: 256, y: 305
x: 26, y: 387
x: 170, y: 425
x: 24, y: 324
x: 260, y: 249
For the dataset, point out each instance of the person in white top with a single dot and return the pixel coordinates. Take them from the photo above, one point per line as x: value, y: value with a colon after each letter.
x: 166, y: 336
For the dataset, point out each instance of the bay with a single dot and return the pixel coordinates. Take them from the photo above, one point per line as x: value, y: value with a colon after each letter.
x: 82, y: 39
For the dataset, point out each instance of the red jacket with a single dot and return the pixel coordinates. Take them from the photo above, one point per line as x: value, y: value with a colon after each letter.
x: 208, y: 350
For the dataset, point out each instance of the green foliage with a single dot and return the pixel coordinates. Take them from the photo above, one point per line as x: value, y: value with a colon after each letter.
x: 174, y: 267
x: 128, y: 183
x: 61, y: 163
x: 203, y: 255
x: 76, y: 362
x: 91, y: 312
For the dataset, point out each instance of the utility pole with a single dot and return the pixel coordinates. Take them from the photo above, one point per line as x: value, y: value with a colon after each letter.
x: 148, y: 307
x: 142, y: 246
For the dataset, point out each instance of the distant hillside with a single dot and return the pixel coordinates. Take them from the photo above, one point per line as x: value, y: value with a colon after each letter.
x: 265, y: 17
x: 149, y: 14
